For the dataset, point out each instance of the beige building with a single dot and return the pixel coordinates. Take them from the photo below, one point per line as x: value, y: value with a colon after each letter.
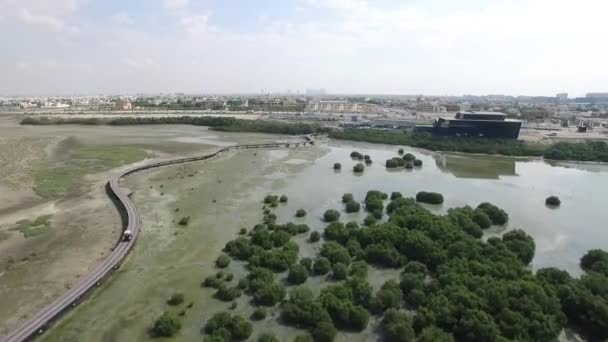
x: 122, y: 104
x: 339, y: 106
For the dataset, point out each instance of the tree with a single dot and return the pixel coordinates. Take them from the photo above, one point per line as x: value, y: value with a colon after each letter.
x: 324, y: 332
x: 230, y: 327
x: 166, y: 325
x: 429, y: 197
x: 340, y: 271
x: 307, y: 263
x: 315, y: 236
x: 409, y: 157
x: 283, y: 199
x: 300, y: 213
x: 553, y: 201
x: 397, y: 327
x: 356, y: 155
x: 335, y: 252
x: 269, y: 294
x: 595, y: 260
x: 476, y: 325
x: 396, y: 195
x: 520, y: 243
x: 497, y: 215
x: 348, y: 197
x: 434, y: 334
x: 337, y: 166
x: 353, y: 207
x: 417, y: 162
x: 259, y: 314
x: 400, y: 151
x: 297, y: 274
x: 303, y: 338
x: 176, y: 299
x: 358, y: 269
x: 222, y: 261
x: 184, y: 221
x: 482, y: 219
x: 359, y: 168
x: 391, y: 163
x: 389, y: 296
x: 321, y: 266
x: 331, y: 215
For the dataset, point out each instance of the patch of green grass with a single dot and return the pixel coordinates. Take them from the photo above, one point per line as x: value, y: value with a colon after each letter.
x: 108, y: 155
x: 38, y: 227
x: 54, y: 181
x: 3, y: 236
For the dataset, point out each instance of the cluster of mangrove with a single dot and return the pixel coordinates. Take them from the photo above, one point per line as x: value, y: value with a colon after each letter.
x: 584, y: 151
x: 219, y: 123
x: 408, y: 161
x: 453, y: 286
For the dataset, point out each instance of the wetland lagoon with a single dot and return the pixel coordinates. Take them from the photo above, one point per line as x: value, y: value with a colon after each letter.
x: 225, y: 194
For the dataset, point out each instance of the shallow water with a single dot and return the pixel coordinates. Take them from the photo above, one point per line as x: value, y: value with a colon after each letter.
x: 169, y: 258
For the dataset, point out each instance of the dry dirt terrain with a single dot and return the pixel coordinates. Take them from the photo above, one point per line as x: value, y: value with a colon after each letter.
x: 56, y: 221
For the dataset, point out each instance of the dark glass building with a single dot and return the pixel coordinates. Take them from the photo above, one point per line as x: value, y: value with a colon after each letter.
x: 476, y: 124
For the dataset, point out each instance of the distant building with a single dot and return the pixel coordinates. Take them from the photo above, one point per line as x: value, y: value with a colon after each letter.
x: 341, y: 106
x: 122, y: 104
x: 597, y: 95
x: 562, y: 97
x: 424, y: 107
x: 476, y: 124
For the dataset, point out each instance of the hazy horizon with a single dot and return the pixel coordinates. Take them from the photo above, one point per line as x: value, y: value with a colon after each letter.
x: 358, y: 47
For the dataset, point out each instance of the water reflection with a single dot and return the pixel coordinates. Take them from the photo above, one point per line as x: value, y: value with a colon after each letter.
x: 485, y: 167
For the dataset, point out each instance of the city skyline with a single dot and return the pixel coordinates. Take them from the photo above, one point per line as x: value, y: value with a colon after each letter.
x: 434, y: 47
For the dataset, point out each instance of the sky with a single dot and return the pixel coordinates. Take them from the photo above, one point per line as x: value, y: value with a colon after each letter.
x: 433, y: 47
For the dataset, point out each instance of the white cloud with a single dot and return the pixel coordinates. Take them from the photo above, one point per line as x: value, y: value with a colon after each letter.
x: 122, y: 18
x: 194, y: 24
x: 175, y: 5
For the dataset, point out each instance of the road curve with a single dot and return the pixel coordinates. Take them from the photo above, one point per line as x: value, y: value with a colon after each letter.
x: 40, y: 322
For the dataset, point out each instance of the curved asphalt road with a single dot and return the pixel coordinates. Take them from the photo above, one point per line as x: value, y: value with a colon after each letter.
x: 39, y: 323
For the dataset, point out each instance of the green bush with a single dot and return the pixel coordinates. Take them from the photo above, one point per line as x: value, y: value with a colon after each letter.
x: 359, y: 168
x: 267, y: 337
x: 283, y: 199
x: 259, y: 314
x: 396, y: 195
x: 331, y: 215
x: 595, y: 260
x: 397, y: 327
x: 389, y: 296
x: 391, y: 163
x: 409, y: 165
x: 184, y: 221
x: 340, y: 271
x: 347, y: 198
x: 300, y: 213
x: 297, y: 274
x: 230, y: 327
x: 227, y: 294
x: 353, y: 207
x: 324, y: 332
x: 166, y: 326
x: 358, y: 269
x: 176, y: 299
x: 429, y: 197
x: 337, y: 166
x: 321, y: 266
x: 243, y: 231
x: 222, y: 261
x: 497, y: 215
x: 212, y: 281
x: 307, y: 263
x: 482, y: 219
x: 315, y: 236
x: 553, y: 201
x: 417, y: 162
x: 356, y: 155
x: 409, y: 157
x: 400, y: 151
x: 335, y: 252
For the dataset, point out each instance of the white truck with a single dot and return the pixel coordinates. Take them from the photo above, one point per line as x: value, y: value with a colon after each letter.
x: 127, y: 235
